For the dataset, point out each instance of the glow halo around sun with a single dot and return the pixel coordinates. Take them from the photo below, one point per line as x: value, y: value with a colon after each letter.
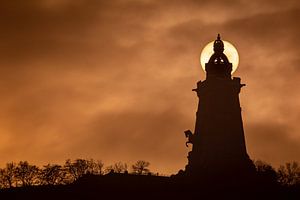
x: 229, y: 50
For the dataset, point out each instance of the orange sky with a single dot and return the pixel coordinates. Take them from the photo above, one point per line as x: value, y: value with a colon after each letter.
x: 112, y: 80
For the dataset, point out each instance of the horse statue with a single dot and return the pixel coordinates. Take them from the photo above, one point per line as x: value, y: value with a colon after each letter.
x: 190, y: 136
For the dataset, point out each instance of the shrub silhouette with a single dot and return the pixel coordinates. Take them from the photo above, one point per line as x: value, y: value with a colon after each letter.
x: 289, y: 174
x: 266, y: 172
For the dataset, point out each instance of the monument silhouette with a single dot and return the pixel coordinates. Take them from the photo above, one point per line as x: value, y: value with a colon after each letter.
x: 219, y: 149
x: 218, y: 165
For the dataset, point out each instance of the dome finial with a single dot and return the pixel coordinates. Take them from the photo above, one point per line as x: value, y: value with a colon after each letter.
x: 218, y: 45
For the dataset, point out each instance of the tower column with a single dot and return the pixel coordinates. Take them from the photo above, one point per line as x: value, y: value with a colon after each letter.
x: 218, y: 139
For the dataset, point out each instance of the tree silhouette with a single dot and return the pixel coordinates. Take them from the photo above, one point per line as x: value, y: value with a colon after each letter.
x: 7, y: 175
x: 140, y: 167
x: 95, y: 167
x: 76, y: 169
x: 81, y: 167
x: 52, y: 174
x: 289, y: 174
x: 118, y: 167
x: 27, y: 174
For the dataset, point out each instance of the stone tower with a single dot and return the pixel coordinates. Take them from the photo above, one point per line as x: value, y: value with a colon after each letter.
x: 219, y: 148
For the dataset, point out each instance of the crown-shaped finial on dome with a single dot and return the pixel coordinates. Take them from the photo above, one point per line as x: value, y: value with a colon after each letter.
x: 218, y: 45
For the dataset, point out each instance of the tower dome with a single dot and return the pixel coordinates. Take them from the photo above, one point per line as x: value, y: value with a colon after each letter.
x: 218, y: 64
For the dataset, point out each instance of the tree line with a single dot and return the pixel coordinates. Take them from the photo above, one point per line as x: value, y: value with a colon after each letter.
x: 24, y: 174
x: 286, y: 175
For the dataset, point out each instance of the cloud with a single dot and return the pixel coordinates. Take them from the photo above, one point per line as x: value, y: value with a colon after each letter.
x: 272, y: 143
x: 112, y: 79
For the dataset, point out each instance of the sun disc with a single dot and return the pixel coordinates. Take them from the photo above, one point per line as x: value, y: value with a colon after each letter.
x: 229, y: 50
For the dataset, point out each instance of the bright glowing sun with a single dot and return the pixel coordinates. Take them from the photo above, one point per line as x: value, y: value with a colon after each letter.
x: 229, y: 50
